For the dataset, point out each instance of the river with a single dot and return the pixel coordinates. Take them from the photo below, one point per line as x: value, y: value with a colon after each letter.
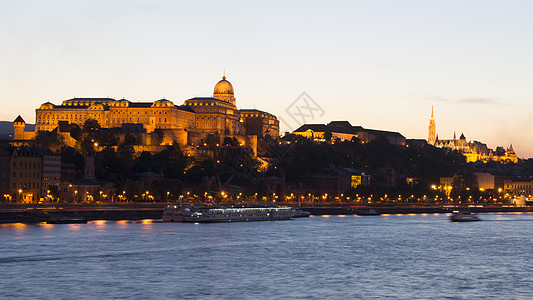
x: 323, y: 257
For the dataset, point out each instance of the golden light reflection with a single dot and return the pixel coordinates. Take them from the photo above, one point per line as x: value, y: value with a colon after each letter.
x: 399, y: 215
x: 147, y: 221
x: 73, y: 227
x: 48, y: 226
x: 99, y: 222
x: 342, y: 216
x: 436, y: 214
x: 385, y: 215
x: 18, y: 227
x: 326, y: 216
x: 424, y: 214
x: 411, y: 214
x: 122, y: 222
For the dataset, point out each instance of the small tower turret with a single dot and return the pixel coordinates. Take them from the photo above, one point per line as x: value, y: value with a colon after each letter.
x: 19, y: 124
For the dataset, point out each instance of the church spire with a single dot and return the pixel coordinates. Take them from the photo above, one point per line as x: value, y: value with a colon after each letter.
x: 432, y: 129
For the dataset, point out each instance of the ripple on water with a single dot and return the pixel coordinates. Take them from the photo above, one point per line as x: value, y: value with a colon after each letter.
x: 409, y: 257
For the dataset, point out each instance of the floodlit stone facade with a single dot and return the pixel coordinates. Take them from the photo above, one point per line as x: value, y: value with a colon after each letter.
x: 186, y: 124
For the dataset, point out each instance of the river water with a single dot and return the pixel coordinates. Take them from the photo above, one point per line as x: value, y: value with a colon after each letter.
x: 322, y: 257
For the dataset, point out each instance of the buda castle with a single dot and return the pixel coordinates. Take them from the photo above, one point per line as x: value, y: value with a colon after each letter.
x: 186, y: 124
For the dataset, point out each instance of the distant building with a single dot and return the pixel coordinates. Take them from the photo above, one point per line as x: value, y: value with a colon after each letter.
x: 25, y: 174
x: 51, y: 170
x: 472, y: 151
x: 343, y: 130
x: 519, y: 187
x: 260, y: 123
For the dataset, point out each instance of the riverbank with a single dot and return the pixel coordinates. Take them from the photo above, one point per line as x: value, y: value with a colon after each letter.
x: 412, y: 209
x: 35, y: 213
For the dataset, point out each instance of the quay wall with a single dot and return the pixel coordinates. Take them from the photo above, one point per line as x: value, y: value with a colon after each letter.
x: 134, y: 211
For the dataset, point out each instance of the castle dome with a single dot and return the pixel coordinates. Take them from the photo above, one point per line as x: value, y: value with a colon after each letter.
x: 223, y: 87
x: 224, y: 91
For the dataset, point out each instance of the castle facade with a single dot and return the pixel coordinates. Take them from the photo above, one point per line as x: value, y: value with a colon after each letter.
x: 187, y: 124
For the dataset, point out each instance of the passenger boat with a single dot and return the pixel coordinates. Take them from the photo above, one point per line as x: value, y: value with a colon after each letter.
x: 211, y: 214
x: 463, y: 216
x: 299, y: 213
x: 66, y: 220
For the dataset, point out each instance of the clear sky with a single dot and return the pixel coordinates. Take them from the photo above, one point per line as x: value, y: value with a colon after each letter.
x: 379, y: 64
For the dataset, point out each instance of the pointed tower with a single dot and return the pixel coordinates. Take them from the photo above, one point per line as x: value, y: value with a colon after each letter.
x: 19, y: 124
x: 511, y: 155
x: 432, y: 130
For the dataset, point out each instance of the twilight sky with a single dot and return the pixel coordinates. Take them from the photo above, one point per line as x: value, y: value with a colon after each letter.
x: 379, y: 64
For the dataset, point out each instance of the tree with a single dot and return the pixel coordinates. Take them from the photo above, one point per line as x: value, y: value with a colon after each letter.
x: 47, y: 140
x: 87, y: 147
x: 91, y: 125
x: 75, y: 131
x: 328, y: 135
x: 230, y: 142
x: 73, y: 156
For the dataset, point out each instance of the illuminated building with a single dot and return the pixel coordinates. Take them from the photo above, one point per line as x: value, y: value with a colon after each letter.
x: 473, y: 150
x: 25, y: 174
x: 187, y: 124
x: 343, y: 130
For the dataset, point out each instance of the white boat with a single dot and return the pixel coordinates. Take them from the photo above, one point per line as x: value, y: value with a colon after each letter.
x: 463, y: 216
x: 300, y: 213
x: 210, y: 214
